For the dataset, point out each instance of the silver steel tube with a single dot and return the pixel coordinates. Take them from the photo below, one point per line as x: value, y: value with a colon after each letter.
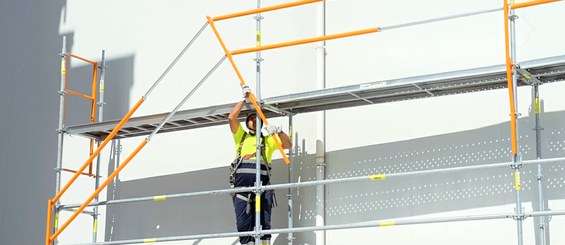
x: 101, y: 87
x: 114, y: 164
x: 290, y: 236
x: 175, y: 60
x: 545, y: 213
x: 96, y: 199
x: 312, y: 183
x: 164, y: 197
x: 172, y: 113
x: 60, y: 134
x: 258, y: 124
x: 320, y: 162
x: 100, y: 119
x: 542, y: 226
x: 61, y: 124
x: 380, y: 223
x: 438, y: 19
x: 517, y: 158
x: 258, y: 184
x: 175, y: 238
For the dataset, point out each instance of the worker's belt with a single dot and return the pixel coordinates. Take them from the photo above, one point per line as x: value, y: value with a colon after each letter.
x: 245, y: 173
x: 250, y: 171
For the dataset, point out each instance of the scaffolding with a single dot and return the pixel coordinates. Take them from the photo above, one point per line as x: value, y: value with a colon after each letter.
x: 511, y: 75
x: 97, y: 88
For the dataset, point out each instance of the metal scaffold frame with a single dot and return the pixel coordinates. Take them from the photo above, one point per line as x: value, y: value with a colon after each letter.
x: 514, y: 74
x: 96, y: 89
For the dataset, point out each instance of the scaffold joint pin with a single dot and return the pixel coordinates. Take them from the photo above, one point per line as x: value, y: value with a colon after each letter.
x: 517, y: 163
x: 519, y: 217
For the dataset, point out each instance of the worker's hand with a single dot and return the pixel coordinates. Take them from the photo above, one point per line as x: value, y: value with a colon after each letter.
x: 271, y: 129
x: 245, y: 90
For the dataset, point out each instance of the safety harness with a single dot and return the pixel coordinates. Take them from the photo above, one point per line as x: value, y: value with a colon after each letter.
x: 235, y: 168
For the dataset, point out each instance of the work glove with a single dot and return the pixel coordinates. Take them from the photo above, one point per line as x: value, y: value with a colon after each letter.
x: 271, y: 129
x: 245, y: 90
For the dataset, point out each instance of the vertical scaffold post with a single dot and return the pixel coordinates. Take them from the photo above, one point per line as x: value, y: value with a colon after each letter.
x: 258, y: 183
x: 510, y: 39
x: 100, y: 104
x: 291, y: 152
x: 60, y: 136
x: 321, y: 127
x: 542, y: 225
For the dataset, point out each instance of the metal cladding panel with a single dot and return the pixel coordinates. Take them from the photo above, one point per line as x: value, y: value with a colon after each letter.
x: 395, y: 198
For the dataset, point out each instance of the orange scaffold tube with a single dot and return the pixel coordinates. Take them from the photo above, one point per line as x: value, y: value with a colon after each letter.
x: 264, y: 9
x: 102, y: 186
x: 78, y: 94
x: 252, y: 97
x: 82, y: 58
x: 49, y: 238
x: 48, y: 225
x: 531, y: 3
x: 509, y: 71
x: 102, y: 145
x: 93, y: 108
x: 304, y: 41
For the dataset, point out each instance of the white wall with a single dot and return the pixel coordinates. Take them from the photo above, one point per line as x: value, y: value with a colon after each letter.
x: 151, y: 33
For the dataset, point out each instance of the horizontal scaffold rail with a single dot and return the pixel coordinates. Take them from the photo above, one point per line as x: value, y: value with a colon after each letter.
x: 377, y: 223
x: 456, y: 82
x: 318, y: 182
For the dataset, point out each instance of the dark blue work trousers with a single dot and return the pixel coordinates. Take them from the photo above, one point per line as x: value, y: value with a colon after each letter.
x: 244, y: 202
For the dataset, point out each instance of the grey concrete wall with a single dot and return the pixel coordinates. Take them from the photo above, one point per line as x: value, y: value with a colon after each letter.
x: 29, y: 43
x: 29, y: 109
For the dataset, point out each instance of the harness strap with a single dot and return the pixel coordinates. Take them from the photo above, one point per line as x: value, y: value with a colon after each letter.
x: 241, y: 144
x: 251, y: 155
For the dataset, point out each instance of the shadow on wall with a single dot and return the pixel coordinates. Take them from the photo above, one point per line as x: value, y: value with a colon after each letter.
x: 30, y: 68
x: 426, y: 194
x: 392, y: 198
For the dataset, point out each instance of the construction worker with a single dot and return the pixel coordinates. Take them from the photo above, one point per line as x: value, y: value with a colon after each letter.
x: 243, y: 169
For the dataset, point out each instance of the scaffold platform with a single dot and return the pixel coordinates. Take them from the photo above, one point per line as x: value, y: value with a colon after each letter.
x: 545, y: 70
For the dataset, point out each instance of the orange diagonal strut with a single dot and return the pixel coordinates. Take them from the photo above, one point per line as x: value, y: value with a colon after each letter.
x: 252, y: 97
x: 100, y: 189
x: 509, y: 70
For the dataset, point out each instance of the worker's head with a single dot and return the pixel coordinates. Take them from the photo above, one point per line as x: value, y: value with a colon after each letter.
x: 251, y: 123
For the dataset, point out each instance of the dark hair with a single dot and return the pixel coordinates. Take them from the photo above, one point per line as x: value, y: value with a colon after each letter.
x: 248, y: 118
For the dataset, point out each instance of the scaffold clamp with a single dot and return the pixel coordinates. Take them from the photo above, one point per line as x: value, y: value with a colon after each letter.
x: 518, y: 163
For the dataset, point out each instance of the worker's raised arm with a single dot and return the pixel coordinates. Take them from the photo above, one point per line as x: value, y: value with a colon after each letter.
x: 285, y: 140
x: 272, y: 129
x: 234, y: 114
